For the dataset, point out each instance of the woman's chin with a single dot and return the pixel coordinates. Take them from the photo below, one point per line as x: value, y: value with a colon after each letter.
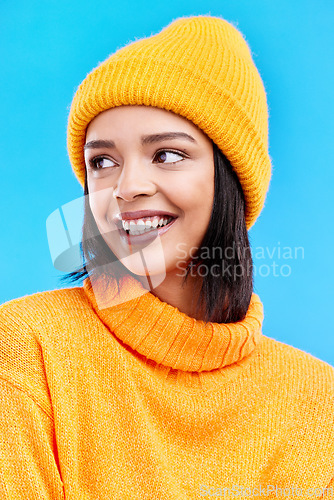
x: 141, y: 266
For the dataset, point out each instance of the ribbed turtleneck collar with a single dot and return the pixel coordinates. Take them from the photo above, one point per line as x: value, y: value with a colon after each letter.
x: 164, y: 334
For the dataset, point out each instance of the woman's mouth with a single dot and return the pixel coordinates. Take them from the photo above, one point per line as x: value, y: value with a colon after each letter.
x: 145, y: 229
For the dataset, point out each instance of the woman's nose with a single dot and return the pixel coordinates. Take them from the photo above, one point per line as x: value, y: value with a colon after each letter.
x: 133, y: 181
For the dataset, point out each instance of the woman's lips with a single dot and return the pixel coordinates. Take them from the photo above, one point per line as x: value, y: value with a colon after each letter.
x: 147, y: 237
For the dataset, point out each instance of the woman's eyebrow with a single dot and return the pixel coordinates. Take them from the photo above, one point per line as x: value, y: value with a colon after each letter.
x: 99, y: 144
x: 149, y: 139
x: 146, y: 139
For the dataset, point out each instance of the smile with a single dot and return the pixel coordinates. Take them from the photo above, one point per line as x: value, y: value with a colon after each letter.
x: 145, y: 229
x: 139, y: 226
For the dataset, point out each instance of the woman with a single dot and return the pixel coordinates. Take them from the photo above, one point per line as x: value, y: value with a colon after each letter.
x: 154, y: 379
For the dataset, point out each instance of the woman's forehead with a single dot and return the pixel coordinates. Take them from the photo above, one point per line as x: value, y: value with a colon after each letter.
x: 140, y: 119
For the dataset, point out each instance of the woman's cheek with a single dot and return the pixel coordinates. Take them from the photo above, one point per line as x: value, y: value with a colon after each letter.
x: 99, y: 202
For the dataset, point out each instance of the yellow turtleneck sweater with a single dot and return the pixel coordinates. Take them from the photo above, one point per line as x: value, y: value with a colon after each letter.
x: 139, y: 401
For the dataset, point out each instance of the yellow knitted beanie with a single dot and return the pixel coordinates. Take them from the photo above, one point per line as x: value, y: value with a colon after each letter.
x: 201, y: 68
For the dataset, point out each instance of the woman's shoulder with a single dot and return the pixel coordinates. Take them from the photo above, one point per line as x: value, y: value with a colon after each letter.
x: 29, y: 325
x: 30, y: 322
x: 298, y: 394
x: 40, y: 302
x: 291, y: 364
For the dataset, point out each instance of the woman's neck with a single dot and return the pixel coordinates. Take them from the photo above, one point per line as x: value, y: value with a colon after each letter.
x: 184, y: 296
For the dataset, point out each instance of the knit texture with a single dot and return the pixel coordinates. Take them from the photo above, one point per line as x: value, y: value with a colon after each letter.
x: 140, y: 401
x: 200, y: 68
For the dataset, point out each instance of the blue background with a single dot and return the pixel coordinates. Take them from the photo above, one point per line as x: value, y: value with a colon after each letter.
x: 47, y: 48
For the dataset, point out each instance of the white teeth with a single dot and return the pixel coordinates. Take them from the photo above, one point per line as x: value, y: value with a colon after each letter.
x: 145, y: 225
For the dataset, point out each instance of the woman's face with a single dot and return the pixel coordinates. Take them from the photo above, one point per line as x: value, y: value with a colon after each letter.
x: 149, y: 160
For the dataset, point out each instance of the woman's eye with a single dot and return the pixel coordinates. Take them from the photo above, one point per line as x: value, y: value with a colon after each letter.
x: 101, y: 162
x: 168, y: 157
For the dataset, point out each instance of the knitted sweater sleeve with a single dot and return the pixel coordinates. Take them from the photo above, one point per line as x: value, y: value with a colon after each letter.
x: 28, y: 467
x: 28, y: 451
